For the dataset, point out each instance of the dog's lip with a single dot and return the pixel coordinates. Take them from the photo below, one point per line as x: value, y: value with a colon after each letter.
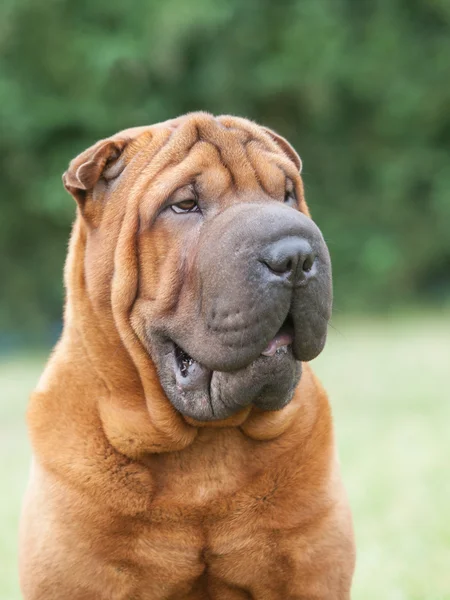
x: 207, y: 392
x: 278, y: 344
x: 284, y: 338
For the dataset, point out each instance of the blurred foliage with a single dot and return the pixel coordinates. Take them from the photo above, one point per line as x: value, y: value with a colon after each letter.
x: 362, y: 89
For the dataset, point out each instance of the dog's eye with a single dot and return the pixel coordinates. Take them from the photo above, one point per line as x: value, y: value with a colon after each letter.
x: 289, y: 197
x: 189, y: 205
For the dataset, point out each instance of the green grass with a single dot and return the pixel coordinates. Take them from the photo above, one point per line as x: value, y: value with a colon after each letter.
x: 390, y: 392
x: 18, y: 376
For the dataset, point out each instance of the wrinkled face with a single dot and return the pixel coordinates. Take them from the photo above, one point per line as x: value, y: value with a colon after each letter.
x: 234, y: 277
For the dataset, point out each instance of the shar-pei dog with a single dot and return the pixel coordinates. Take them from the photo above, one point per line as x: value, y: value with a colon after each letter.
x: 183, y: 448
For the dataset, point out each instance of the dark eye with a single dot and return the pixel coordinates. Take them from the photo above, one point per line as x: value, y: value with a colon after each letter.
x: 289, y: 197
x: 185, y: 206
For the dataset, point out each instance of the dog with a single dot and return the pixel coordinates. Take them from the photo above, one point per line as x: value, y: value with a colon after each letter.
x: 182, y: 446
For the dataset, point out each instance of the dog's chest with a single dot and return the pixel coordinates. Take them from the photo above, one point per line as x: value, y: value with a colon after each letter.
x: 216, y: 466
x: 203, y: 518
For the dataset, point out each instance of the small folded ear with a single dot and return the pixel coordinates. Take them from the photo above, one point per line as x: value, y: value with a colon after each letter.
x: 88, y: 167
x: 286, y: 147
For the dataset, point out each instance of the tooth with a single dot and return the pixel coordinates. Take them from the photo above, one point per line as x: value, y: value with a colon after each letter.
x: 281, y: 350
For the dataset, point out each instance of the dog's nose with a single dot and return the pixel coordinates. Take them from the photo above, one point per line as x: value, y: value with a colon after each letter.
x: 289, y: 258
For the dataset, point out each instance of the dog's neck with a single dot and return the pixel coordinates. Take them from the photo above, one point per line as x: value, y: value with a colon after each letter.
x: 135, y: 413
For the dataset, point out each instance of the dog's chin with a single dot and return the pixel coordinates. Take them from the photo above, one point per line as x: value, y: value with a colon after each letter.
x: 203, y: 394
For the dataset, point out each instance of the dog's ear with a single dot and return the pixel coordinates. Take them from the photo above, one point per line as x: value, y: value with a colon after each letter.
x: 98, y: 161
x: 286, y: 147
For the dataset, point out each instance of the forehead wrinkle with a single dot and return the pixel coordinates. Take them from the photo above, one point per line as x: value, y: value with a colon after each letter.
x: 180, y: 136
x: 139, y: 152
x: 142, y: 158
x: 177, y: 146
x: 173, y: 143
x: 284, y: 164
x: 242, y: 135
x: 253, y: 130
x: 256, y: 152
x: 230, y: 147
x: 248, y: 148
x: 174, y: 139
x: 262, y: 135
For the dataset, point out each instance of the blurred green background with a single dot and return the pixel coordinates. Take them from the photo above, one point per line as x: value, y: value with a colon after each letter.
x: 362, y: 90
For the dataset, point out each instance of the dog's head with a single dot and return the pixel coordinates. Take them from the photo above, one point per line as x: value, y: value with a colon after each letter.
x: 199, y: 238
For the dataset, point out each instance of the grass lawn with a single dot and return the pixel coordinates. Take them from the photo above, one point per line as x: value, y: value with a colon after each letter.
x: 389, y: 388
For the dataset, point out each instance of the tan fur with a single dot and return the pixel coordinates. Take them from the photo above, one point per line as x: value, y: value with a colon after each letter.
x: 127, y: 499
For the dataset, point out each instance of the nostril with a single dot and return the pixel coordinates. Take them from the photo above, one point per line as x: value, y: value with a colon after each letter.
x: 308, y: 263
x: 279, y: 267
